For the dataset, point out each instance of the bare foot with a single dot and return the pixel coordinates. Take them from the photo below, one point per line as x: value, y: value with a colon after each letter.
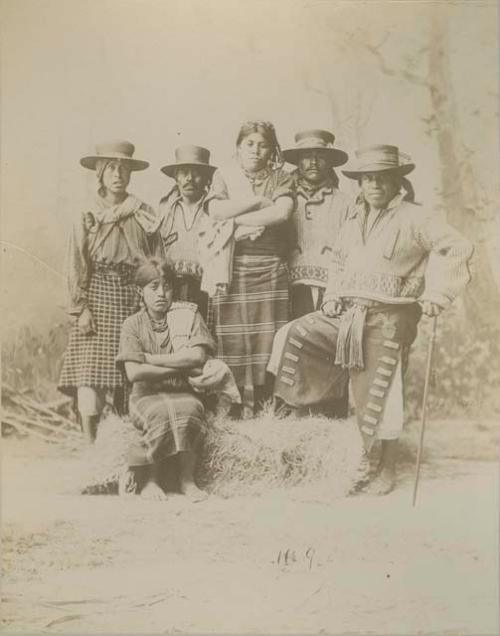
x: 127, y: 484
x: 382, y: 484
x: 153, y: 492
x: 192, y: 492
x: 247, y: 413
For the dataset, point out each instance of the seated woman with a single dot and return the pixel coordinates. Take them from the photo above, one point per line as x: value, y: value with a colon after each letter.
x: 161, y: 346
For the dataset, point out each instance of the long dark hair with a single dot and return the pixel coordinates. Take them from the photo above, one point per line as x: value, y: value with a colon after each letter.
x: 267, y: 130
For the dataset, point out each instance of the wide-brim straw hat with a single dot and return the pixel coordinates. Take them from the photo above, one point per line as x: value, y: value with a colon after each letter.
x: 122, y: 150
x: 380, y: 158
x: 315, y: 140
x: 189, y: 156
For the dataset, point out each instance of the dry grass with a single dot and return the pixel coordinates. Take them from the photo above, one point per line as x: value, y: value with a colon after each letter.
x: 251, y: 457
x: 246, y: 457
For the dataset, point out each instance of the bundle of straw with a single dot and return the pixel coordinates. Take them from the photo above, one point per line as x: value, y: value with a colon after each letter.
x: 248, y: 457
x: 269, y: 452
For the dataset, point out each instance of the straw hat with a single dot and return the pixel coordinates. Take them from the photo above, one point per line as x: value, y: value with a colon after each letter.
x: 315, y: 140
x: 122, y: 150
x: 189, y: 156
x: 381, y: 158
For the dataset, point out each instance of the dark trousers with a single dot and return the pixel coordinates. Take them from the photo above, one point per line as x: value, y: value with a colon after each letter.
x: 188, y: 289
x: 301, y: 300
x: 301, y: 304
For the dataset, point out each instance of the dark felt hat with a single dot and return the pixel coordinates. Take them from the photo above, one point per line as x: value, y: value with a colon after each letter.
x: 315, y: 140
x: 189, y: 156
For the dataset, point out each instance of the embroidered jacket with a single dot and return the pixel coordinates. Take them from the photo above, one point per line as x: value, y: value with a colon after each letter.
x: 409, y: 253
x: 316, y: 224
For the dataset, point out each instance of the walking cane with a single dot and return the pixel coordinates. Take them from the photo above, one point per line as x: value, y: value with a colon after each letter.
x: 430, y: 351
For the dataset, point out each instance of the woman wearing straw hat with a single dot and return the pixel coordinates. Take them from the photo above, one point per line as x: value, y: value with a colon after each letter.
x: 107, y: 238
x: 255, y: 305
x: 184, y: 214
x: 392, y: 261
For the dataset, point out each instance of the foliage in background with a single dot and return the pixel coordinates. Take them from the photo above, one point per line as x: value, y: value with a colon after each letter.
x: 465, y: 370
x: 31, y: 361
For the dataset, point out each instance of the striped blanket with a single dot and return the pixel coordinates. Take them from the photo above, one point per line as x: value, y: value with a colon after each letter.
x: 169, y: 423
x: 246, y: 319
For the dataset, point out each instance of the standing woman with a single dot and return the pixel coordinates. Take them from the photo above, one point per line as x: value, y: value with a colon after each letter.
x: 261, y: 201
x: 107, y: 239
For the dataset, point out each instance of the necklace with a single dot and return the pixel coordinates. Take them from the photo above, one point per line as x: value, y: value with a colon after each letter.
x: 260, y: 175
x: 199, y: 206
x: 158, y: 325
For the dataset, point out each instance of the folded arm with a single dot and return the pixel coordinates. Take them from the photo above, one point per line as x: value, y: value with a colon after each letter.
x: 160, y: 366
x: 278, y: 212
x: 233, y: 208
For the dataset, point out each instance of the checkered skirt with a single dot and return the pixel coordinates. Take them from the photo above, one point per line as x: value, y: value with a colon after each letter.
x: 90, y: 360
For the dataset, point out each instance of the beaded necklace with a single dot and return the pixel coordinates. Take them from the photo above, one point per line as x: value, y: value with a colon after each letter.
x: 158, y: 325
x: 259, y: 176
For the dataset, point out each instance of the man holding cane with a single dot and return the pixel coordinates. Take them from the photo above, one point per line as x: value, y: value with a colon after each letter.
x: 392, y: 261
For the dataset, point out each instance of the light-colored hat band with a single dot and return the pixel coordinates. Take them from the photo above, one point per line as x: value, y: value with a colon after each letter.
x: 379, y: 167
x: 382, y: 158
x: 390, y: 159
x: 312, y: 142
x: 119, y: 150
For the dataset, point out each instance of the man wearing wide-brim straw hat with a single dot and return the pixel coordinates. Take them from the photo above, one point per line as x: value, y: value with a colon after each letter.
x: 185, y: 213
x: 392, y: 260
x: 109, y: 235
x: 320, y: 211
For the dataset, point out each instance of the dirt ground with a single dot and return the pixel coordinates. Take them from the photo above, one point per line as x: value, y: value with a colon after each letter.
x: 278, y: 563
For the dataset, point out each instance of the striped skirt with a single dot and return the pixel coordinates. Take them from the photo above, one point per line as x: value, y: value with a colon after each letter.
x: 246, y: 319
x: 90, y: 360
x: 168, y: 423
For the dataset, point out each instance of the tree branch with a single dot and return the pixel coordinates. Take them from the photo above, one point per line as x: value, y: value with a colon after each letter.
x: 392, y: 72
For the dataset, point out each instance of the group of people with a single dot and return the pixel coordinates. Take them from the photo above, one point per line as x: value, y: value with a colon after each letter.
x: 253, y: 276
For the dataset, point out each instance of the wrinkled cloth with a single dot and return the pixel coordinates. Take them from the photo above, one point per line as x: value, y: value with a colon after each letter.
x: 316, y: 223
x: 271, y: 184
x: 408, y: 254
x: 216, y: 377
x: 167, y: 413
x: 186, y: 328
x: 89, y: 360
x: 304, y: 362
x: 216, y: 251
x: 112, y: 236
x: 246, y: 319
x: 189, y: 238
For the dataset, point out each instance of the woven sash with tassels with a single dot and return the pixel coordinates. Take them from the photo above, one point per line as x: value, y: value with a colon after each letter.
x: 349, y: 353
